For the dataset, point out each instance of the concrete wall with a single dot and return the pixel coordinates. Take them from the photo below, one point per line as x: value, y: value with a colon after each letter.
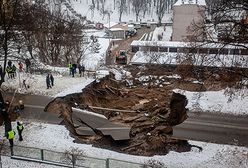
x: 183, y: 17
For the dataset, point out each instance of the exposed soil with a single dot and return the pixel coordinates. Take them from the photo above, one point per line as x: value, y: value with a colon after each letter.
x: 154, y: 107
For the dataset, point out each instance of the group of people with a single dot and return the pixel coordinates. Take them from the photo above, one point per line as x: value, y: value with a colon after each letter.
x: 11, y: 68
x: 10, y: 135
x: 73, y: 69
x: 9, y: 131
x: 49, y: 80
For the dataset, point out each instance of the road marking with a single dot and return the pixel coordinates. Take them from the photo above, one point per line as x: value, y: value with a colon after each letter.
x: 114, y: 128
x: 34, y: 106
x: 213, y: 125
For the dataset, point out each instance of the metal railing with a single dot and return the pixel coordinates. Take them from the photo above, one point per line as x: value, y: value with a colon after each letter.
x: 60, y: 159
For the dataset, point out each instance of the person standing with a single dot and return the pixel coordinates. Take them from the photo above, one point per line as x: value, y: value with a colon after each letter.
x: 80, y: 70
x: 20, y: 66
x: 70, y: 68
x: 74, y: 67
x: 20, y: 128
x: 83, y: 69
x: 9, y: 63
x: 10, y: 136
x: 13, y: 71
x: 8, y: 70
x: 28, y: 64
x: 48, y: 81
x: 52, y: 79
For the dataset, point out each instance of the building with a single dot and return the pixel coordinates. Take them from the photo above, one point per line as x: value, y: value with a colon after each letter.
x: 118, y: 31
x: 185, y: 13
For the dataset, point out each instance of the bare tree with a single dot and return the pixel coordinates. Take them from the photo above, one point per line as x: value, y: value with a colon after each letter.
x: 223, y: 36
x: 122, y: 7
x: 137, y: 7
x: 161, y: 8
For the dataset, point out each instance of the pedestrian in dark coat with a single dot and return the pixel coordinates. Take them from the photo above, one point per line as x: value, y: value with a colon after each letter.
x: 83, y: 69
x: 48, y: 81
x: 52, y: 79
x: 28, y: 64
x: 80, y: 70
x: 74, y: 67
x: 20, y: 128
x: 9, y: 63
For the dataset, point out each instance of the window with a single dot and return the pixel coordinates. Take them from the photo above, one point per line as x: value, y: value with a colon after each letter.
x: 203, y: 51
x: 192, y: 50
x: 163, y: 49
x: 244, y: 52
x: 135, y: 48
x: 173, y: 49
x: 223, y: 51
x: 183, y: 50
x: 154, y: 49
x: 213, y: 51
x: 234, y: 52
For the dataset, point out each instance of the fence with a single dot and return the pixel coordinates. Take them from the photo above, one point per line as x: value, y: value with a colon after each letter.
x: 60, y: 159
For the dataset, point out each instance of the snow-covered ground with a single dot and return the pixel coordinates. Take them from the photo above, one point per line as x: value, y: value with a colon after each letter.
x: 57, y: 138
x: 218, y: 101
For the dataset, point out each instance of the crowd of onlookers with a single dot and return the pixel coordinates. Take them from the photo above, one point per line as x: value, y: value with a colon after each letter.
x: 11, y: 68
x: 73, y: 69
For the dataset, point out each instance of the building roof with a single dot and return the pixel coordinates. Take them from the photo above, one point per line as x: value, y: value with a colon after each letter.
x: 119, y: 26
x: 184, y: 44
x: 190, y: 2
x: 116, y: 29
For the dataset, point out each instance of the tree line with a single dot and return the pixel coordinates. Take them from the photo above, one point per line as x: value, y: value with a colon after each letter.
x: 39, y: 31
x: 140, y: 8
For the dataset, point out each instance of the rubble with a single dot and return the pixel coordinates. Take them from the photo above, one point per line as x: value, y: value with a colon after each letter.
x: 149, y: 111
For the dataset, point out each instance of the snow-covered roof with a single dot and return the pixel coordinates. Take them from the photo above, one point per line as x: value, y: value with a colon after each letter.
x: 189, y: 2
x: 175, y: 58
x: 181, y: 44
x: 116, y: 29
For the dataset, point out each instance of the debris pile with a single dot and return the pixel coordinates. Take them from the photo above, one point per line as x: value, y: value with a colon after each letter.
x: 150, y: 114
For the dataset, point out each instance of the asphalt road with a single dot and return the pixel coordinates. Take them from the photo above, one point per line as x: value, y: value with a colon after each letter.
x: 207, y: 127
x: 34, y: 107
x: 215, y: 128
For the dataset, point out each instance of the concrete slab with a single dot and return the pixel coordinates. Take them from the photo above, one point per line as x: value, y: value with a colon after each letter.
x: 98, y: 122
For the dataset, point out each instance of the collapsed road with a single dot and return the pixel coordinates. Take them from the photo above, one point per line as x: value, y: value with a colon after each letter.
x: 200, y: 126
x: 144, y: 106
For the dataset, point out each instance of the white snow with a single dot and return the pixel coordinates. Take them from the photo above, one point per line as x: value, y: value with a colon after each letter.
x: 57, y: 138
x: 213, y: 60
x: 223, y: 101
x: 63, y: 85
x: 164, y: 31
x: 189, y: 2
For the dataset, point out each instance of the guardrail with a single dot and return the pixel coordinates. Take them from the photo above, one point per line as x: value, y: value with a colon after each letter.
x: 62, y: 160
